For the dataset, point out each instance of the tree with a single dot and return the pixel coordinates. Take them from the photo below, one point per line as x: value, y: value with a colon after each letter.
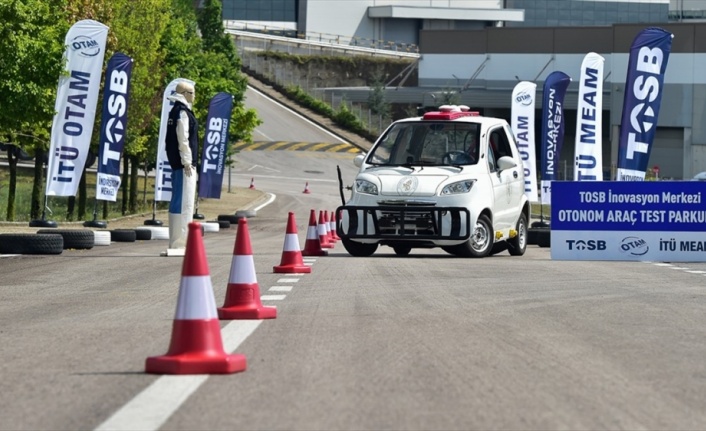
x: 224, y: 57
x: 376, y: 98
x: 131, y: 22
x: 32, y: 36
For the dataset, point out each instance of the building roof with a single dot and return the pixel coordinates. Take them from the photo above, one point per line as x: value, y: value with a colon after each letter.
x: 446, y: 13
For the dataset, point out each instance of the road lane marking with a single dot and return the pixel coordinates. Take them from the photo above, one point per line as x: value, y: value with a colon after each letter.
x: 287, y: 280
x: 280, y: 289
x: 152, y: 407
x: 272, y: 297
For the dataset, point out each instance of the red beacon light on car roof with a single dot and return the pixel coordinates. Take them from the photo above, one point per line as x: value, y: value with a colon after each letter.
x: 450, y: 112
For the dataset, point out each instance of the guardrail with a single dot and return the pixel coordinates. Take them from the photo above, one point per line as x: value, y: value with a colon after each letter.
x: 294, y: 45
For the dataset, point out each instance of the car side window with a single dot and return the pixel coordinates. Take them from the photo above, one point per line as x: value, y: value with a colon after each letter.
x: 498, y: 146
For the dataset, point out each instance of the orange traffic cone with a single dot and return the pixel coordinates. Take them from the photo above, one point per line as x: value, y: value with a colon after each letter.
x: 196, y: 346
x: 243, y: 294
x: 332, y: 223
x: 252, y: 183
x: 292, y: 262
x: 323, y: 232
x: 306, y: 188
x: 312, y: 246
x: 329, y: 231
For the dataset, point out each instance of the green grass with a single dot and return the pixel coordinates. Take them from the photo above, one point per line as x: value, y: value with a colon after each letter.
x: 59, y: 205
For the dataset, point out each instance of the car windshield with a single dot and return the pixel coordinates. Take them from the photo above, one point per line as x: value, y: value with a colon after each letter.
x: 427, y: 143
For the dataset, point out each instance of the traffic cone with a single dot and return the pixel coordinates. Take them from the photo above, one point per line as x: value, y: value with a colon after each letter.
x: 323, y: 232
x: 306, y: 188
x: 312, y: 246
x: 252, y: 183
x: 196, y: 346
x: 292, y: 262
x: 329, y: 231
x: 243, y: 294
x: 332, y: 223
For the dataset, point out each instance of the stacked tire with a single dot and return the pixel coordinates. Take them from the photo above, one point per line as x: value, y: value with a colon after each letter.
x: 30, y: 243
x: 77, y: 239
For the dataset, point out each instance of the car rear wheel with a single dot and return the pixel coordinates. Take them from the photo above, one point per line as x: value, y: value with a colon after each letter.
x: 517, y: 245
x: 358, y: 249
x: 479, y: 244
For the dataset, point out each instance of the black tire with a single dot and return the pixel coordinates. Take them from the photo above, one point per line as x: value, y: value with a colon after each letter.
x: 78, y: 239
x: 143, y: 234
x: 230, y: 218
x: 123, y: 235
x: 358, y: 249
x: 498, y: 247
x: 223, y: 224
x: 43, y: 223
x: 152, y: 222
x: 97, y: 224
x: 480, y: 244
x: 30, y: 243
x: 402, y: 250
x: 517, y: 245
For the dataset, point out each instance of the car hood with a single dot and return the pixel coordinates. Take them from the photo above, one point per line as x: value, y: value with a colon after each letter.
x: 404, y: 182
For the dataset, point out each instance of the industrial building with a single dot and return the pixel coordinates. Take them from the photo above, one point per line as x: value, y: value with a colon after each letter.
x: 481, y: 48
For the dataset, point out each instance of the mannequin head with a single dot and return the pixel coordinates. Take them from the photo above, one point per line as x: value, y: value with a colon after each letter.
x: 187, y: 90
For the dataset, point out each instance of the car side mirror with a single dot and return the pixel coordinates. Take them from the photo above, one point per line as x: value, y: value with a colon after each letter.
x: 358, y: 160
x: 506, y: 162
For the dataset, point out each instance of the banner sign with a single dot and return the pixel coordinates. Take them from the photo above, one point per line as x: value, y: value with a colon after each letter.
x: 649, y: 54
x: 588, y: 156
x: 619, y: 220
x: 163, y: 176
x: 76, y: 100
x: 215, y: 144
x: 113, y: 125
x: 552, y: 128
x: 522, y: 123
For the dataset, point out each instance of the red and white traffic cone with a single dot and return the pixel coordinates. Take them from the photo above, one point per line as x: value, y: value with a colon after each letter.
x: 243, y: 293
x: 332, y: 223
x: 312, y: 246
x: 196, y: 346
x: 292, y: 262
x: 252, y: 183
x: 323, y: 232
x: 306, y: 188
x: 329, y: 230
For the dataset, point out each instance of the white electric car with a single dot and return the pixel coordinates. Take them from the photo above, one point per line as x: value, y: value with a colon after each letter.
x: 451, y: 179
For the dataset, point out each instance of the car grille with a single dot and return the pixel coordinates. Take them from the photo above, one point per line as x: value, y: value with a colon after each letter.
x: 404, y: 222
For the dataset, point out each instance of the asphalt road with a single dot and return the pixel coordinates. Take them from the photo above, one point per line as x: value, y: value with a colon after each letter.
x: 427, y: 341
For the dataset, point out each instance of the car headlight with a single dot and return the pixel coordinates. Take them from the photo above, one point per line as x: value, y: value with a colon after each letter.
x: 459, y: 187
x: 362, y: 186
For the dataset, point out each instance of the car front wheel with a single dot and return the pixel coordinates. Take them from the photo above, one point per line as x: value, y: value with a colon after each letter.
x: 479, y: 244
x: 358, y: 249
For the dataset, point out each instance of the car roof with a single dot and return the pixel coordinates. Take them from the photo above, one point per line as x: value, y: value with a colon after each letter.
x: 455, y: 113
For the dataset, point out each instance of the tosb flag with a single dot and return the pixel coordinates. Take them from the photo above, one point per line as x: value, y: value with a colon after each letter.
x: 113, y: 125
x: 552, y: 136
x: 649, y: 54
x: 215, y: 144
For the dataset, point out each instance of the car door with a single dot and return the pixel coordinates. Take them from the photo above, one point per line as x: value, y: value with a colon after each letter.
x: 517, y: 187
x: 503, y: 181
